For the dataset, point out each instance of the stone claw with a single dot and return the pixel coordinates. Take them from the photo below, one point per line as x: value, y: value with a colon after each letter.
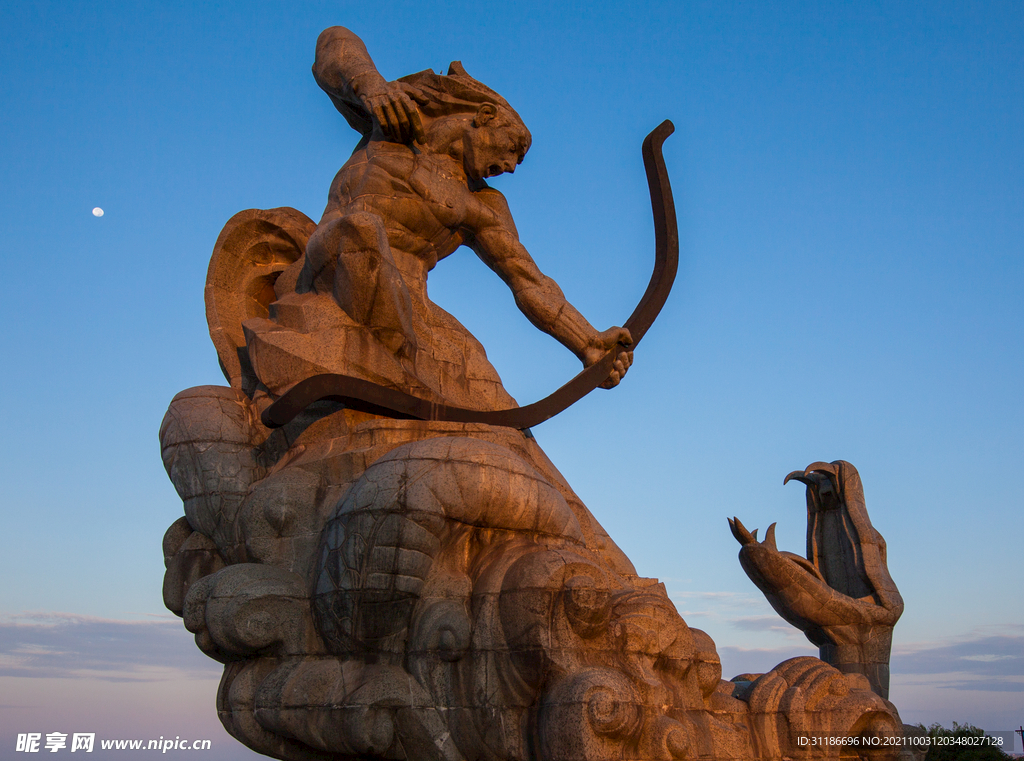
x: 739, y: 531
x: 841, y: 595
x: 745, y: 537
x: 823, y: 480
x: 813, y: 474
x: 796, y: 475
x: 822, y: 467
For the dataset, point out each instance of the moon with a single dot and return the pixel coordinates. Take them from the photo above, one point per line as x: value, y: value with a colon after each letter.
x: 97, y: 212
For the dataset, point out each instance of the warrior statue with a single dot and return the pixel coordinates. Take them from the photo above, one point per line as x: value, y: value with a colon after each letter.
x: 375, y: 546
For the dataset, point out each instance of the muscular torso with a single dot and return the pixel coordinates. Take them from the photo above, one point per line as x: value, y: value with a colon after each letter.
x: 426, y: 206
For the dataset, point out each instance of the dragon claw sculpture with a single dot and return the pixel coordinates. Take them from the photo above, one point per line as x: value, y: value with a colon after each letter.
x: 841, y: 595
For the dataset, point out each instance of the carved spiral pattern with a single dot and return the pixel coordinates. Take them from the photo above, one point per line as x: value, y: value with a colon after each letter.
x: 610, y: 715
x: 599, y: 708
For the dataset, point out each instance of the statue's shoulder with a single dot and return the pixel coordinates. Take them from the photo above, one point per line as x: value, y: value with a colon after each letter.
x: 494, y: 203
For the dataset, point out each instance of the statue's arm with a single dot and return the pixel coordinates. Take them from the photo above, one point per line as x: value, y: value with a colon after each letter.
x: 497, y: 243
x: 344, y: 70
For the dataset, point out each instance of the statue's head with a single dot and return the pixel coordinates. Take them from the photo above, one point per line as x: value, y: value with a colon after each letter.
x: 497, y: 139
x: 496, y: 142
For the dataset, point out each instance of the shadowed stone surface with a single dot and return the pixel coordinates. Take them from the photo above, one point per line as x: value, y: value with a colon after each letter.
x: 383, y: 588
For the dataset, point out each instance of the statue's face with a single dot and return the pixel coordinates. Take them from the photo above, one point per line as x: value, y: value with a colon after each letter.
x: 494, y: 148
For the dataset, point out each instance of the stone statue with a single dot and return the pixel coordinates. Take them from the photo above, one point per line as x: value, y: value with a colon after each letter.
x: 413, y: 191
x: 841, y: 596
x: 375, y: 546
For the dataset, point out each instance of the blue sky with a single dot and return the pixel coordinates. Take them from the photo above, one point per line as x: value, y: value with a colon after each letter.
x: 850, y: 187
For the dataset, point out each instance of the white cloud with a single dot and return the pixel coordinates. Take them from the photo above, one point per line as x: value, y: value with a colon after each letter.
x: 62, y: 645
x: 983, y: 657
x: 118, y: 679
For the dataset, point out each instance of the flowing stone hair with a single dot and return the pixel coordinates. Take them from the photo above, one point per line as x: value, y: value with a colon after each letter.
x: 459, y: 93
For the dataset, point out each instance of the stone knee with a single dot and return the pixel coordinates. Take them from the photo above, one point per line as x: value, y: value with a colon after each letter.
x: 350, y: 258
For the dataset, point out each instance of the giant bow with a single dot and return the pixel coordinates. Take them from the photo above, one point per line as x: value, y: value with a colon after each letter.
x: 371, y: 397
